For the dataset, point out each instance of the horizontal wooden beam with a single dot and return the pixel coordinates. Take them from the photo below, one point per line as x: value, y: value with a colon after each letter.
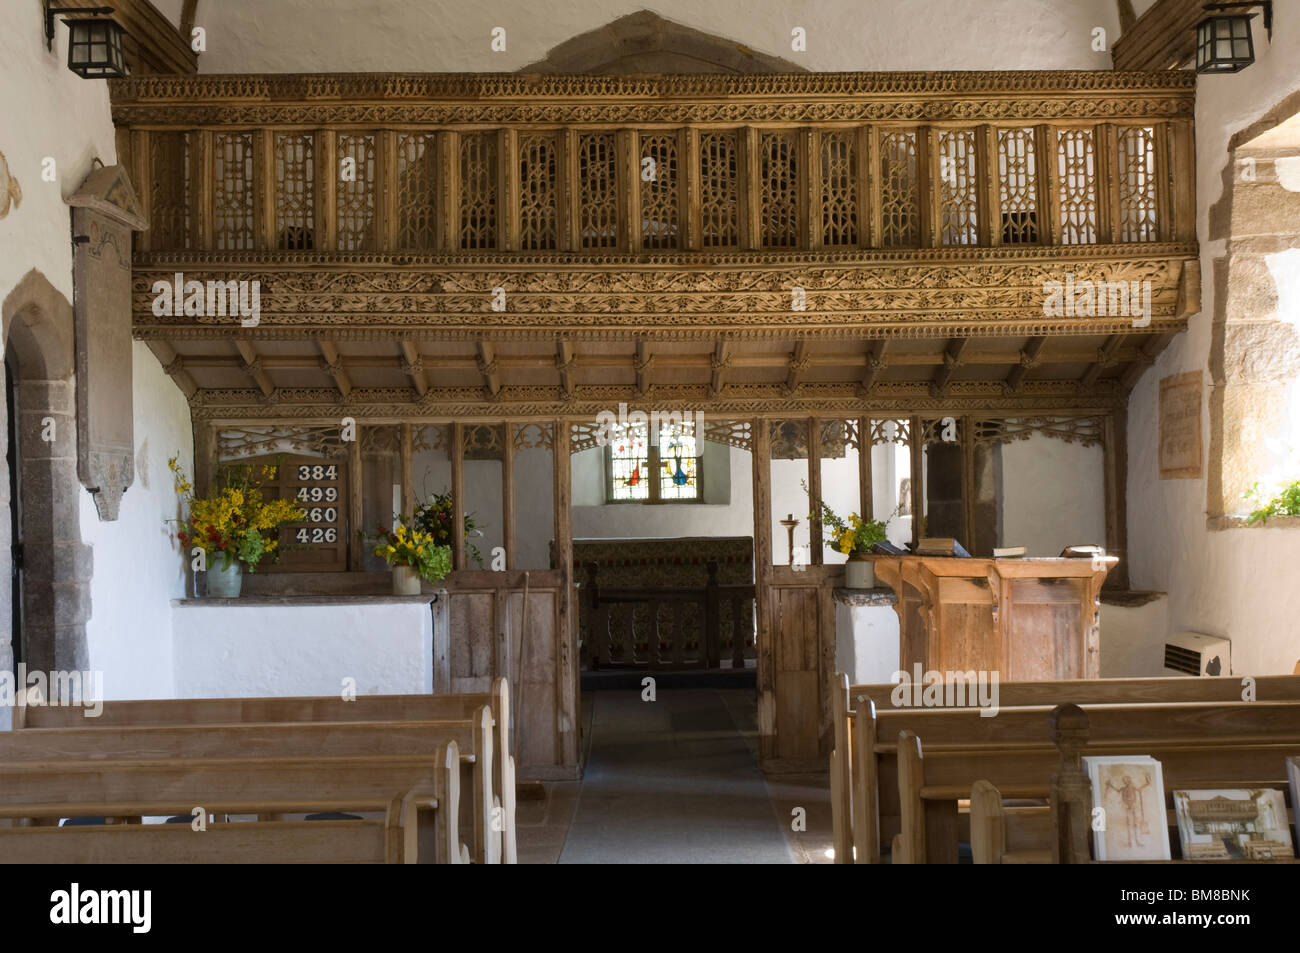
x: 1163, y: 38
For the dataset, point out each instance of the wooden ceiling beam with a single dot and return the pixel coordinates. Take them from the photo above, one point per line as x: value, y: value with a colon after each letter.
x: 1163, y: 38
x: 1105, y: 358
x: 1029, y: 357
x: 1146, y: 357
x: 642, y: 364
x: 874, y: 363
x: 951, y: 361
x: 251, y: 364
x: 798, y: 366
x: 488, y: 367
x: 413, y: 366
x: 566, y: 363
x: 174, y: 365
x: 332, y: 364
x: 719, y: 361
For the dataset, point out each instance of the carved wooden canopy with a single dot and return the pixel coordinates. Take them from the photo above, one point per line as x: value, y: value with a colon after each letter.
x: 485, y: 245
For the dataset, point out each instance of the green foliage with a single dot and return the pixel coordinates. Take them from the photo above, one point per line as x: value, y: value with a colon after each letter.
x: 851, y: 535
x: 1286, y: 502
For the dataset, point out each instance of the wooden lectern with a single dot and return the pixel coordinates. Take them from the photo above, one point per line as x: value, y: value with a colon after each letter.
x: 1026, y: 619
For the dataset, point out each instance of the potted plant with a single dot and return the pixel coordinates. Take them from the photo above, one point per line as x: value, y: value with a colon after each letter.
x: 414, y: 555
x: 234, y: 527
x: 853, y: 537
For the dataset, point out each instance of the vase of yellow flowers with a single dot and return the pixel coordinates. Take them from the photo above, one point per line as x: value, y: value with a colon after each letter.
x: 853, y: 536
x: 416, y: 556
x: 233, y: 529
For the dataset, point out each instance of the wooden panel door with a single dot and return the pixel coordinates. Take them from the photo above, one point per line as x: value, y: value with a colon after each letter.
x: 794, y: 689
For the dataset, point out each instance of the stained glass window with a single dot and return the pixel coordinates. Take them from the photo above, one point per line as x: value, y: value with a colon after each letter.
x: 641, y: 471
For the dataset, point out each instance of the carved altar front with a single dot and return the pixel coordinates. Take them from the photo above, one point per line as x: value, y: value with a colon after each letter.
x: 1026, y: 619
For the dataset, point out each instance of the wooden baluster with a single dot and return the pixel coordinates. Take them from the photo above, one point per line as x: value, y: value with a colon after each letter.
x: 629, y: 631
x: 1071, y: 793
x: 652, y: 651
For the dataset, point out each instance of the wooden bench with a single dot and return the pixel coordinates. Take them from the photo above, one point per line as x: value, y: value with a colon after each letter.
x: 866, y: 812
x: 1213, y: 744
x: 420, y: 824
x: 364, y: 708
x: 1059, y: 832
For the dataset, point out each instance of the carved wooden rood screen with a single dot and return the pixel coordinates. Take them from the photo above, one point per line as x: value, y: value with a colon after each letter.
x: 472, y: 250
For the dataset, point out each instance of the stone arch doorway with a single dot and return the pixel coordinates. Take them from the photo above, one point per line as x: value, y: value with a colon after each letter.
x: 56, y: 564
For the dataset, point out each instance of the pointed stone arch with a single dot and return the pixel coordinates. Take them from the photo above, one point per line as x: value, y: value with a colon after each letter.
x: 56, y: 564
x: 645, y: 42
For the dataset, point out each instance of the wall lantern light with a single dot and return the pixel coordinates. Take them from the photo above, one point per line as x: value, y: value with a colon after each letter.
x: 1223, y: 41
x: 94, y: 44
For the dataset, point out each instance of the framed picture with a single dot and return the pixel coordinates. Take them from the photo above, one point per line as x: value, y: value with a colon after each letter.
x: 1129, y: 790
x: 1233, y: 824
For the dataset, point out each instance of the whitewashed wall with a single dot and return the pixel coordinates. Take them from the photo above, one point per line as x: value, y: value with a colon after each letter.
x: 1052, y: 495
x: 1239, y: 583
x: 45, y: 110
x: 452, y: 36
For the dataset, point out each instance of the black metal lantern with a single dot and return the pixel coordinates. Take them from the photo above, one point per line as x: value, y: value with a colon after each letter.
x: 1224, y: 43
x: 94, y: 44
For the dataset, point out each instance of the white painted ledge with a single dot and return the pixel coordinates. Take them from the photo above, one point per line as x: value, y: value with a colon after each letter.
x: 279, y: 646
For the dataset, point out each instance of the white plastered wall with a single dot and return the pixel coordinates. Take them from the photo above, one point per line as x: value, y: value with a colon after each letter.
x: 47, y: 111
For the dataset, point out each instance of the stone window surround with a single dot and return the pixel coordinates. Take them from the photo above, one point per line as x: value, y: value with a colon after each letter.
x: 1254, y: 219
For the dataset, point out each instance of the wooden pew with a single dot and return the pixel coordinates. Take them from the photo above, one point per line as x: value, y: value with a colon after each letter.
x: 866, y: 723
x: 369, y: 708
x: 1059, y: 832
x: 1199, y: 746
x: 323, y: 742
x: 419, y: 825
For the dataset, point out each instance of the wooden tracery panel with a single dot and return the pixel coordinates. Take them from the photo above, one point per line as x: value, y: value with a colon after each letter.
x: 417, y: 180
x: 478, y: 191
x: 659, y: 190
x: 538, y: 186
x: 355, y: 198
x: 1018, y: 186
x: 1077, y: 177
x: 597, y: 190
x: 958, y: 189
x: 779, y: 189
x: 170, y: 211
x: 233, y: 189
x: 899, y: 190
x: 295, y: 206
x: 719, y: 187
x: 839, y: 191
x: 1137, y: 184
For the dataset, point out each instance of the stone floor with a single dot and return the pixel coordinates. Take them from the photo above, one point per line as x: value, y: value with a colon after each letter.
x: 675, y: 780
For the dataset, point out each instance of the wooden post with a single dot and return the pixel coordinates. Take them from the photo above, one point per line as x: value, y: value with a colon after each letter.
x: 1049, y: 192
x: 386, y: 197
x: 988, y: 180
x: 408, y: 488
x: 448, y: 220
x: 870, y: 213
x: 1071, y: 791
x: 766, y: 662
x: 911, y: 778
x: 626, y: 148
x: 1115, y: 471
x: 929, y: 188
x: 458, y: 495
x: 810, y: 141
x: 689, y: 227
x: 749, y: 188
x: 508, y: 176
x: 917, y: 446
x: 264, y: 175
x: 204, y: 175
x: 815, y: 556
x: 866, y: 830
x: 355, y: 512
x: 327, y: 196
x: 865, y: 492
x: 968, y: 480
x: 508, y: 495
x: 1105, y: 151
x: 567, y: 621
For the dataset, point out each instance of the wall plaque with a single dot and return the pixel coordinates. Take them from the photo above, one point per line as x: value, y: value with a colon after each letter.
x: 1180, y: 427
x: 104, y: 214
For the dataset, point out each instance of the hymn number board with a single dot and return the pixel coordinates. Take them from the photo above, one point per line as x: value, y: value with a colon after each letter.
x: 320, y: 487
